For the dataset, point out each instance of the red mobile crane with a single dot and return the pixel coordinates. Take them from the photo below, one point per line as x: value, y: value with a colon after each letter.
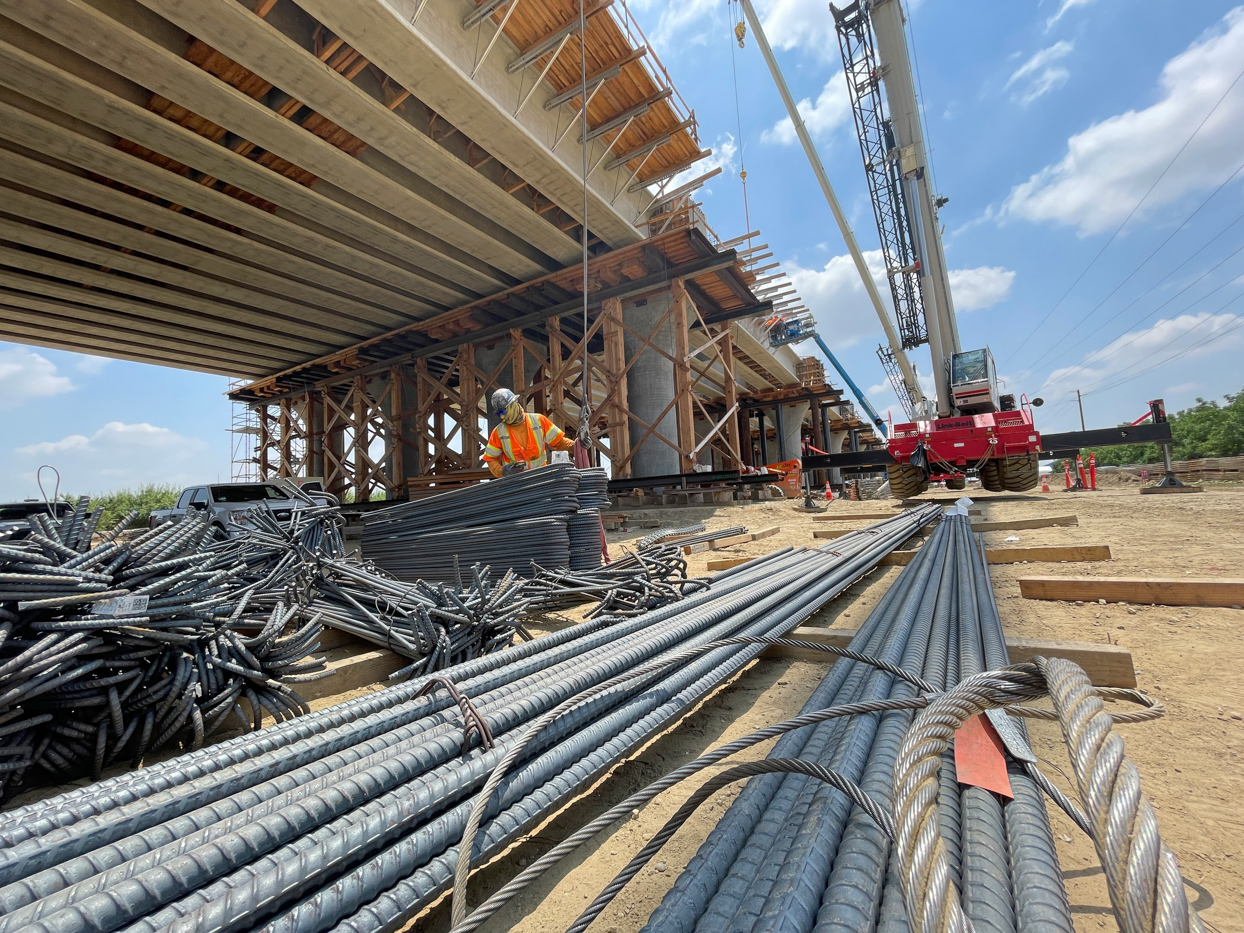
x: 968, y: 424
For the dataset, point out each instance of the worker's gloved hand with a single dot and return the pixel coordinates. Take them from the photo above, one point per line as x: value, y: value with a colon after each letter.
x: 511, y: 468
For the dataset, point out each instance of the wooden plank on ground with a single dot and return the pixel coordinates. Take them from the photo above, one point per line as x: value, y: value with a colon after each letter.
x: 726, y: 563
x: 716, y: 544
x: 1017, y: 524
x: 842, y: 532
x: 1019, y: 555
x: 354, y: 666
x: 1144, y: 591
x: 1048, y: 555
x: 1106, y: 665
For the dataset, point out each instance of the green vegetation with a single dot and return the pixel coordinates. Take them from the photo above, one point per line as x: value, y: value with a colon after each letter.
x: 117, y: 504
x: 1207, y: 429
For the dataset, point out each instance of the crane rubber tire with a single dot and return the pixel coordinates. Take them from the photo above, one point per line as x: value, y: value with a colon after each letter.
x: 1020, y: 473
x: 906, y: 481
x: 991, y: 476
x: 957, y: 482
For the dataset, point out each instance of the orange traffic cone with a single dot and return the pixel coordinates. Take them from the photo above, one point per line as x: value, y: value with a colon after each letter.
x: 829, y: 493
x: 1045, y: 482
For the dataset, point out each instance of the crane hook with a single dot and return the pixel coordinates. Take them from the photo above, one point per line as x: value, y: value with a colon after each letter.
x: 740, y: 32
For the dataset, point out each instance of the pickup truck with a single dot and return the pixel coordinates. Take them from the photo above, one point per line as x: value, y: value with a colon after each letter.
x: 15, y: 516
x: 220, y: 500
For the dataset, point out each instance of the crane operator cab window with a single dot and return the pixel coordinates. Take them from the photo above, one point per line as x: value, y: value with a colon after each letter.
x: 973, y: 382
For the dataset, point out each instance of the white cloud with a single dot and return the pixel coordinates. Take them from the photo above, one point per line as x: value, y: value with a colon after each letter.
x: 91, y: 365
x: 836, y: 296
x: 1039, y: 75
x: 981, y: 287
x: 723, y: 157
x: 845, y: 315
x: 684, y: 21
x: 116, y: 456
x: 1133, y: 353
x: 831, y: 110
x: 804, y: 24
x: 1109, y: 167
x: 1063, y: 8
x: 25, y: 375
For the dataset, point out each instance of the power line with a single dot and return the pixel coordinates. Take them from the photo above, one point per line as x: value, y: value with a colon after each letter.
x: 1105, y: 246
x: 1154, y: 311
x: 1143, y: 262
x: 1184, y: 352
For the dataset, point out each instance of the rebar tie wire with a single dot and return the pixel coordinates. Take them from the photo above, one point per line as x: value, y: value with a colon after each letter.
x: 472, y: 720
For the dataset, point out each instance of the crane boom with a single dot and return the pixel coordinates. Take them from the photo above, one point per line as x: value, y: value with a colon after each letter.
x: 892, y: 337
x: 900, y: 90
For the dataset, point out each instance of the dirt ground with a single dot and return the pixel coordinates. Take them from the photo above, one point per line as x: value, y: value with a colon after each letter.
x: 1190, y: 761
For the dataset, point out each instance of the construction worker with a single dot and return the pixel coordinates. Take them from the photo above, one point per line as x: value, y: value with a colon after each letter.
x: 522, y: 440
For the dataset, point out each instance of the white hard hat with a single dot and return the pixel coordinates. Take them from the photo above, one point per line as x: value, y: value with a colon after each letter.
x: 501, y: 400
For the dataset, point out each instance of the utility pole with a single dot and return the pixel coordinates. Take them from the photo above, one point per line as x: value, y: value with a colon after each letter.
x: 1080, y: 402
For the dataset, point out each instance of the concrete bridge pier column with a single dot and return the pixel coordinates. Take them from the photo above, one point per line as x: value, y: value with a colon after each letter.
x: 650, y: 386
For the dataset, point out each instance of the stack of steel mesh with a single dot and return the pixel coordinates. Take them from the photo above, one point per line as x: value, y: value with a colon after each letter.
x: 793, y: 853
x: 349, y: 818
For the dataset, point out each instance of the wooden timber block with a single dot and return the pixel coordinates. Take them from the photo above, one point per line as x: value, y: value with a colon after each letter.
x: 1048, y: 555
x: 1019, y: 555
x: 1162, y: 490
x: 716, y: 544
x: 843, y: 532
x: 1106, y: 665
x: 1017, y: 524
x: 354, y: 666
x: 1141, y: 592
x: 726, y: 563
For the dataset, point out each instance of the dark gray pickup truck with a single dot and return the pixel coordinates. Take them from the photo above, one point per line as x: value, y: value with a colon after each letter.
x: 220, y: 500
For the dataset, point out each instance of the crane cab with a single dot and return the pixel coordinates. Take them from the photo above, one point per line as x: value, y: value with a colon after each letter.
x: 974, y: 383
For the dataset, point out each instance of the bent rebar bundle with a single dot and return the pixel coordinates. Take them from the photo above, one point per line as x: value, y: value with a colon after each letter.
x: 506, y: 524
x: 114, y: 651
x: 349, y: 818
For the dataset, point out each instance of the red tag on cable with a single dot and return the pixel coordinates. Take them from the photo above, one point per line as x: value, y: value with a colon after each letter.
x: 979, y: 757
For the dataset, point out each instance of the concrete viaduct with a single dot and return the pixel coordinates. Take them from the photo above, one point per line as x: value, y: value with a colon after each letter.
x: 371, y: 212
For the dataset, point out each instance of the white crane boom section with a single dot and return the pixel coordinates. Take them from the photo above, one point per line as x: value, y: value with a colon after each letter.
x: 887, y: 20
x: 814, y: 159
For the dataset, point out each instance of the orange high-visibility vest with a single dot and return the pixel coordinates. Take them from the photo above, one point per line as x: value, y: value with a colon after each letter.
x: 527, y: 443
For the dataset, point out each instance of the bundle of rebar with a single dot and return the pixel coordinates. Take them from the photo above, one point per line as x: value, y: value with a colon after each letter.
x: 350, y: 818
x: 114, y: 651
x: 583, y: 533
x: 641, y: 580
x: 593, y: 488
x: 444, y: 555
x: 436, y: 626
x: 794, y: 853
x: 546, y: 492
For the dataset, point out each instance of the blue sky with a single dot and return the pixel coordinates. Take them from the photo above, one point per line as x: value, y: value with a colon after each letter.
x: 1049, y: 124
